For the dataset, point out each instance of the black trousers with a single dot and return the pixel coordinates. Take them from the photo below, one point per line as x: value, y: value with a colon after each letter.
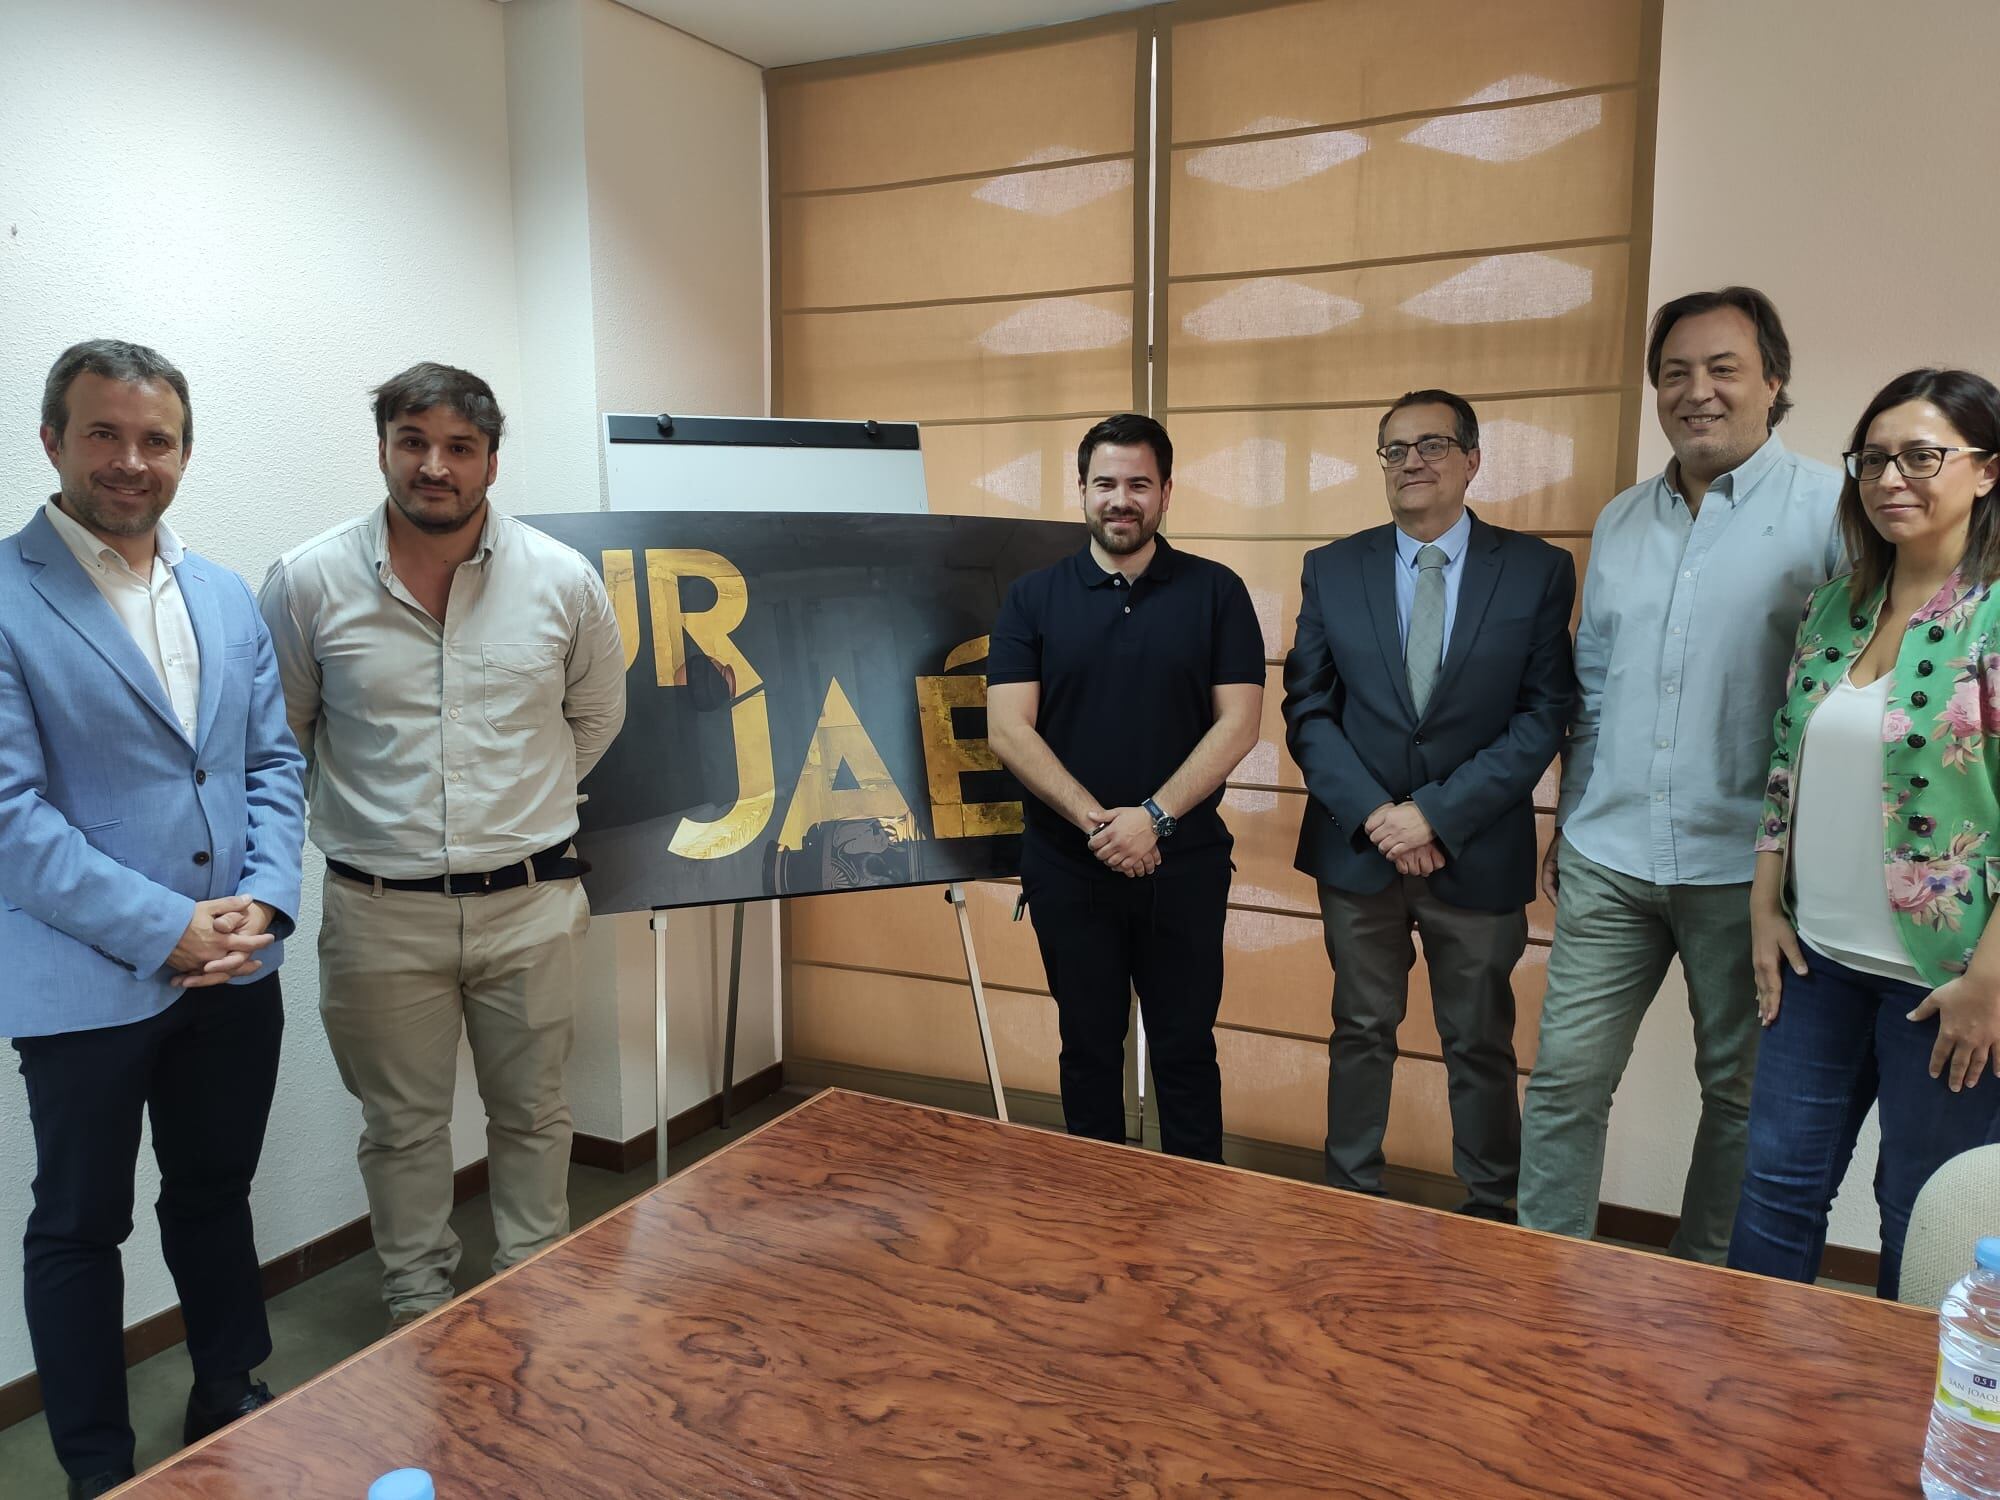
x: 204, y: 1071
x: 1102, y: 936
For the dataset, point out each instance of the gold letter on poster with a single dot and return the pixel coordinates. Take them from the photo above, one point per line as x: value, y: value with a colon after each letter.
x: 756, y: 793
x: 946, y: 756
x: 839, y: 740
x: 624, y: 591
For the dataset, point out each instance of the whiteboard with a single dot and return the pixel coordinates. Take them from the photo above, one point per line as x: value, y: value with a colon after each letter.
x: 679, y: 462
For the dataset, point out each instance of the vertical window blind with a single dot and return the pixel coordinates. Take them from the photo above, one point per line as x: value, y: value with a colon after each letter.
x: 1263, y: 223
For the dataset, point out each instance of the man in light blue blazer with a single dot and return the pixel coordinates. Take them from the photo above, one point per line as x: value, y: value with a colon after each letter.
x: 151, y: 816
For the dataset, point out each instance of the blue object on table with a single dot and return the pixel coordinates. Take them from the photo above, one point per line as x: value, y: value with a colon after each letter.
x: 403, y: 1484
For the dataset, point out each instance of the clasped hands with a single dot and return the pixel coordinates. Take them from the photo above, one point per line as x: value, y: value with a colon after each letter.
x: 220, y: 942
x: 1403, y: 834
x: 1123, y: 838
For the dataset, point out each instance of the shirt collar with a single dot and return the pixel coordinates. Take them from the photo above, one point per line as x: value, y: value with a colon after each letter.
x: 378, y: 536
x: 1736, y: 485
x: 1452, y: 542
x: 94, y: 552
x: 1159, y: 570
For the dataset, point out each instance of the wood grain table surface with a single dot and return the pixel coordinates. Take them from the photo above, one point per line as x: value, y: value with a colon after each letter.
x: 868, y: 1298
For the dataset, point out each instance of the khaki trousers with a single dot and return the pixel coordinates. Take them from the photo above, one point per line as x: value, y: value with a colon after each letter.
x: 401, y: 974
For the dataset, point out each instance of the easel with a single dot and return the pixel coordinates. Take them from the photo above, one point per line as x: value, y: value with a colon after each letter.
x: 759, y: 463
x: 954, y: 894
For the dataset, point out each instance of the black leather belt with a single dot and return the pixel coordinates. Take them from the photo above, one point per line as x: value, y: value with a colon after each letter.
x: 550, y: 864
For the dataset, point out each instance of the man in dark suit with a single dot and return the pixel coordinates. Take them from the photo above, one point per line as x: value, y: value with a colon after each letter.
x: 1428, y: 690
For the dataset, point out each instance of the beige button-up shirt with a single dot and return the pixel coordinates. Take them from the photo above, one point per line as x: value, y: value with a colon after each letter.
x: 150, y: 607
x: 451, y: 748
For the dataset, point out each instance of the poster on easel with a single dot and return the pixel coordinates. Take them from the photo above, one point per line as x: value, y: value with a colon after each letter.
x: 806, y: 702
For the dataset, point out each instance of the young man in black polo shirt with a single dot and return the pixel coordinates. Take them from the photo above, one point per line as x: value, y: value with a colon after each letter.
x: 1124, y: 684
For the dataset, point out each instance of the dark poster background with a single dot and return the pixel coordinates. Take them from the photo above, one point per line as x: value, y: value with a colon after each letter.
x: 806, y: 702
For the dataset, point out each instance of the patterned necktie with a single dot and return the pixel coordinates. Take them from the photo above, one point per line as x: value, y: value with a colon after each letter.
x: 1424, y: 649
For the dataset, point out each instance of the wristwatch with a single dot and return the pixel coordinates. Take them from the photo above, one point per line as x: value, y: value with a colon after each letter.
x: 1163, y: 825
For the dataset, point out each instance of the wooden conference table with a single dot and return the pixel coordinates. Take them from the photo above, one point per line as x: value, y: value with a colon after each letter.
x: 867, y: 1298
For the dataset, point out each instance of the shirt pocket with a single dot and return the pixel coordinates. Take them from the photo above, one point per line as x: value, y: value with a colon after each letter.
x: 522, y: 685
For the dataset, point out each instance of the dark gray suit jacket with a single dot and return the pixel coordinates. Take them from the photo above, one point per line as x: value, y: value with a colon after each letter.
x: 1496, y: 717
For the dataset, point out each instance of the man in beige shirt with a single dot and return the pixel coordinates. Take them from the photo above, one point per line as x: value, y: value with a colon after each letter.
x: 451, y: 675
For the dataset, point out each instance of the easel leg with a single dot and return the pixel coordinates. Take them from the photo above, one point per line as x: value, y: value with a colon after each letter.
x: 1139, y: 1059
x: 735, y: 992
x: 955, y: 893
x: 660, y: 1045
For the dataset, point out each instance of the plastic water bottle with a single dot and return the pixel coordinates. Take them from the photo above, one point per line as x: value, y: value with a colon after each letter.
x: 415, y: 1484
x: 1962, y: 1453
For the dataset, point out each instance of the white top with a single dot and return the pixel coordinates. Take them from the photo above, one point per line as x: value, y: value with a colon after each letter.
x: 450, y: 748
x: 1837, y: 851
x: 150, y: 607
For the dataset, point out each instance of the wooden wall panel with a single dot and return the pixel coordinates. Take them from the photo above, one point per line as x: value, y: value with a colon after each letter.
x: 1274, y: 1089
x: 922, y: 1026
x: 1332, y: 230
x: 915, y: 931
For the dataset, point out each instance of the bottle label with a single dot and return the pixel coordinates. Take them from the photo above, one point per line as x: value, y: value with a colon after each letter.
x: 1968, y: 1392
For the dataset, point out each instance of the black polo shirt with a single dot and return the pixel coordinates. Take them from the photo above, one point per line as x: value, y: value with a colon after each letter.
x: 1127, y: 674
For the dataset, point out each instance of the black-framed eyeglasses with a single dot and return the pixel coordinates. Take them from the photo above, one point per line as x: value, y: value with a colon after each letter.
x: 1916, y: 463
x: 1430, y: 449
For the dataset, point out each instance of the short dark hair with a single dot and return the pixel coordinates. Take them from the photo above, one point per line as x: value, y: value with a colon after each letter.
x: 110, y: 359
x: 1463, y: 416
x: 1127, y: 430
x: 1774, y: 350
x: 427, y: 384
x: 1973, y: 405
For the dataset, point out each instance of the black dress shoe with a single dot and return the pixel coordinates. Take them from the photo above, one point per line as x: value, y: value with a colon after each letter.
x: 1497, y: 1213
x: 202, y: 1420
x: 98, y: 1484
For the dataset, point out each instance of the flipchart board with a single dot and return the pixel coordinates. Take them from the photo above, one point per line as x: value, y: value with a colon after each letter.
x: 672, y: 462
x: 806, y: 702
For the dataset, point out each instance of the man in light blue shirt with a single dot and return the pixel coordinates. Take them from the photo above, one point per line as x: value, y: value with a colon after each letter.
x: 1690, y: 605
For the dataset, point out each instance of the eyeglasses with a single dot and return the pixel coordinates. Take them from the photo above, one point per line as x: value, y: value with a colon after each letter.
x: 1916, y: 463
x: 1430, y: 449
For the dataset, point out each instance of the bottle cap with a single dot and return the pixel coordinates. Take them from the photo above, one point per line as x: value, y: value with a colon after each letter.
x: 1987, y: 1253
x: 415, y: 1484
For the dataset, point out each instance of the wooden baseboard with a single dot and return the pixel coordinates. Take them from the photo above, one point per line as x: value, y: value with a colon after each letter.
x: 608, y: 1155
x: 1656, y: 1231
x: 20, y: 1399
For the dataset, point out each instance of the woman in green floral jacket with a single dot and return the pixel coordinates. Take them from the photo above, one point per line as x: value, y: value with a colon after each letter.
x: 1878, y: 975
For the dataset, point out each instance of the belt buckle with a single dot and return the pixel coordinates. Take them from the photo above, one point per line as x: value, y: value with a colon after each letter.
x: 486, y: 881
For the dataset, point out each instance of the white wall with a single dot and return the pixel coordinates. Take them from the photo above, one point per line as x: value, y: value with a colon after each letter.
x: 673, y: 133
x: 292, y: 200
x: 1774, y: 115
x: 639, y: 212
x: 295, y: 203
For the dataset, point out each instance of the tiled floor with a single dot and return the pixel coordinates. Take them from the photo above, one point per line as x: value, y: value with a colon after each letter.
x: 321, y: 1322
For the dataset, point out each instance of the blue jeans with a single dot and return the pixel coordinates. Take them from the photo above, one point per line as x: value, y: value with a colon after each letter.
x: 1839, y: 1045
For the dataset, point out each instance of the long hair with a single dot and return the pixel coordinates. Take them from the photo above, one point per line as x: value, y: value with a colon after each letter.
x: 1973, y: 406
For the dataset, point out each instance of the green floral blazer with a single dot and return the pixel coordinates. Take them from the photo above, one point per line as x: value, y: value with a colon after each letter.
x: 1940, y: 759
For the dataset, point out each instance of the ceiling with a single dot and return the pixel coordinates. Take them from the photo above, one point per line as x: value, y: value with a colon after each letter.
x: 773, y: 33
